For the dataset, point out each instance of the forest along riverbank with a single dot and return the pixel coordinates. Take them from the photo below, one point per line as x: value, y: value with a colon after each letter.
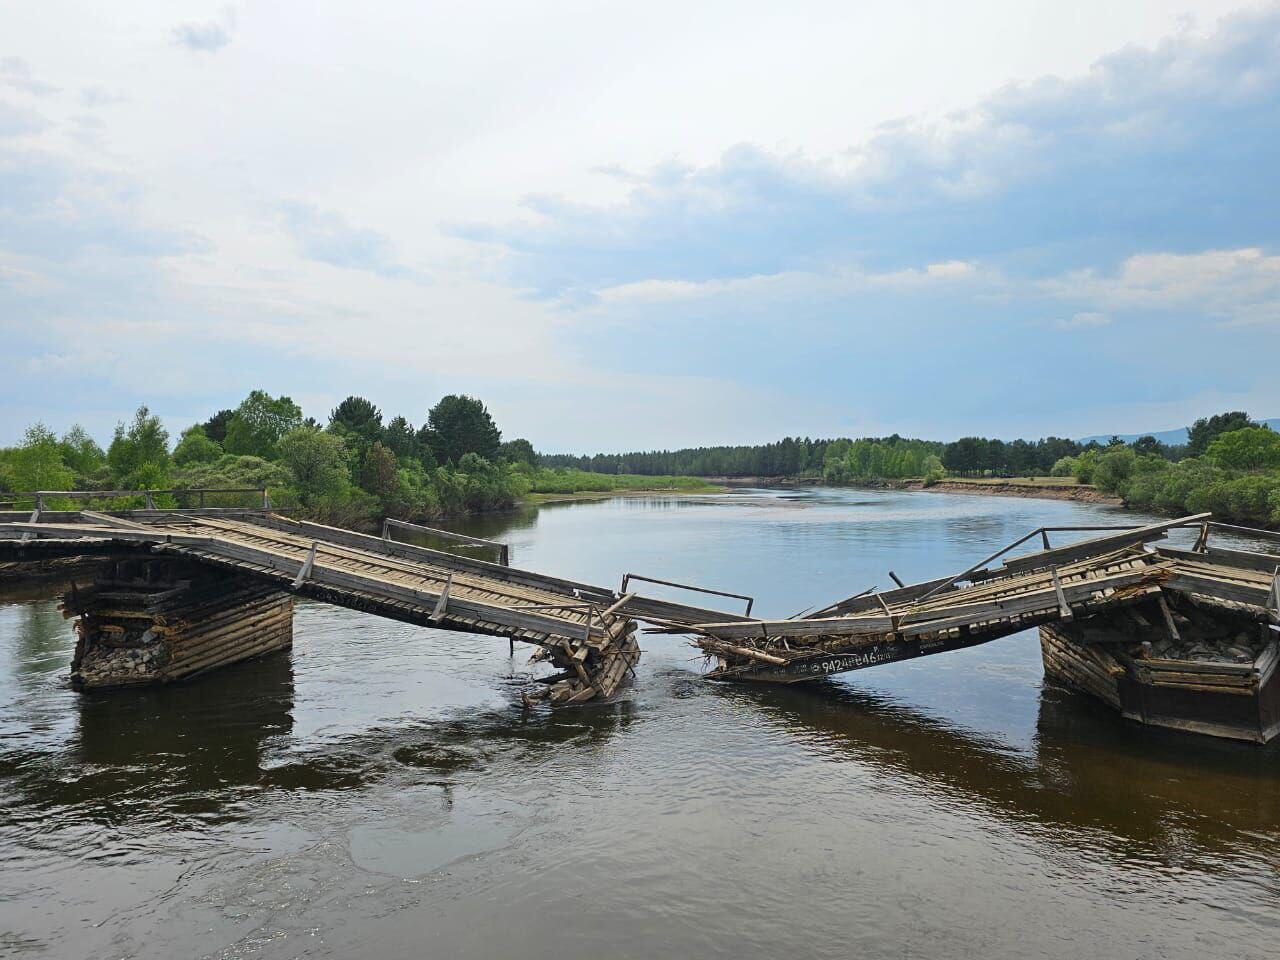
x: 380, y: 785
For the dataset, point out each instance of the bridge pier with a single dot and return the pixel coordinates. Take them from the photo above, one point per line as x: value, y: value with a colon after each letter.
x: 153, y: 620
x: 1192, y: 664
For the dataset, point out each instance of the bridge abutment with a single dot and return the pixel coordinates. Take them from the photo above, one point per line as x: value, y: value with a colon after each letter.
x: 1202, y: 667
x: 155, y: 620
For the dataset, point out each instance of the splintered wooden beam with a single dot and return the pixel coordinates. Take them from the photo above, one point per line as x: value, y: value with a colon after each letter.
x: 1064, y: 608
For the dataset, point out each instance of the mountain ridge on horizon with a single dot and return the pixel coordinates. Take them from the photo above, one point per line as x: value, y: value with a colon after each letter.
x: 1170, y: 437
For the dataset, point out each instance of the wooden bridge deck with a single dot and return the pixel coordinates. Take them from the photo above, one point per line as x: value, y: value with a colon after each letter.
x: 985, y: 603
x: 588, y: 630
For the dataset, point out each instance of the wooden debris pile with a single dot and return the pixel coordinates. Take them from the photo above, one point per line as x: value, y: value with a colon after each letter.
x: 134, y: 627
x: 589, y: 668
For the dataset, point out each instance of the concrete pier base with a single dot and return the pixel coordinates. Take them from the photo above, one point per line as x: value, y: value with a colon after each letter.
x: 151, y: 621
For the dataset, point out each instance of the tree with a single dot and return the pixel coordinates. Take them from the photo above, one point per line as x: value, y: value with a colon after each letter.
x: 144, y: 443
x: 80, y: 452
x: 460, y: 425
x: 1149, y: 446
x: 356, y: 415
x: 259, y: 423
x: 521, y: 451
x: 196, y: 447
x: 1205, y: 430
x: 318, y: 462
x: 37, y: 462
x: 1253, y: 448
x: 402, y: 440
x: 378, y: 473
x: 215, y: 428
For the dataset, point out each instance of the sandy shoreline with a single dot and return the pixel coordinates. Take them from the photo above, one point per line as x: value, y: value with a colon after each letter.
x: 1083, y: 494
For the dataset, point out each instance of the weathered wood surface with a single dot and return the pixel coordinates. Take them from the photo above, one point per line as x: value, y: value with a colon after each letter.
x: 588, y: 630
x: 983, y: 603
x: 581, y: 625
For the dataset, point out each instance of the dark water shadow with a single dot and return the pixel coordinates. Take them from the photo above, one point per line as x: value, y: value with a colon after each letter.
x: 1091, y: 779
x: 159, y: 752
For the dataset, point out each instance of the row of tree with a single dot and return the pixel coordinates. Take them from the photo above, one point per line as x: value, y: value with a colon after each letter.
x: 1236, y: 477
x: 886, y: 457
x: 791, y: 456
x: 350, y: 469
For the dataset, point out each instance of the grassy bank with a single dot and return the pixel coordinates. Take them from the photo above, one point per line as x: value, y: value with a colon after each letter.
x: 564, y: 483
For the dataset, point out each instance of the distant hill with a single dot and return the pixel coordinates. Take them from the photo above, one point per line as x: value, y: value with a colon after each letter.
x: 1171, y: 437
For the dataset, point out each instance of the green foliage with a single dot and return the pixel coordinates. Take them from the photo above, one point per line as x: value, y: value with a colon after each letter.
x: 196, y: 447
x: 318, y: 462
x: 37, y: 464
x: 518, y: 451
x: 459, y: 425
x: 378, y: 474
x: 139, y: 451
x: 1198, y: 484
x: 892, y: 457
x: 233, y: 471
x: 563, y: 480
x: 215, y: 428
x: 479, y: 484
x: 359, y: 416
x: 791, y: 456
x: 1207, y: 429
x: 415, y: 495
x: 258, y: 424
x: 1084, y: 465
x: 81, y: 452
x: 1114, y: 468
x: 1149, y: 446
x: 1065, y: 467
x: 1251, y: 448
x: 402, y: 440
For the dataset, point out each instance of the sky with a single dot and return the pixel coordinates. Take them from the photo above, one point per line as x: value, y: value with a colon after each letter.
x: 646, y: 225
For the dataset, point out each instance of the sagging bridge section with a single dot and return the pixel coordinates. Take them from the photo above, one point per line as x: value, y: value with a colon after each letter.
x: 168, y: 569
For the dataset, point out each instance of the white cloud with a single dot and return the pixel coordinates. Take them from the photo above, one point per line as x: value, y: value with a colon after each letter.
x: 1240, y: 286
x: 16, y: 74
x: 209, y: 36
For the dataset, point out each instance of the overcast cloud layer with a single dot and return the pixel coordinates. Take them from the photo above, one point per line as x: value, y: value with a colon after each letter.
x: 628, y: 230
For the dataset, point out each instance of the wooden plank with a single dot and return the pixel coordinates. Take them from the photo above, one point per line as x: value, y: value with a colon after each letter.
x: 1219, y: 556
x: 1096, y: 545
x: 1183, y: 582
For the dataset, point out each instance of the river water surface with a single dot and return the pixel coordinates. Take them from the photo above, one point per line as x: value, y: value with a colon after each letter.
x: 378, y: 792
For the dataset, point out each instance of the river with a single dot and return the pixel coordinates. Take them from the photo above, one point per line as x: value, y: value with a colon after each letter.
x: 378, y: 792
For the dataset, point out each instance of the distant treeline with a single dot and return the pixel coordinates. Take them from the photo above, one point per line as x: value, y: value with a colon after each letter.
x: 788, y: 457
x: 841, y: 459
x: 1229, y: 465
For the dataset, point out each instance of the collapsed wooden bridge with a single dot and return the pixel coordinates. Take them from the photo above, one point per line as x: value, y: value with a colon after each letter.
x: 185, y: 591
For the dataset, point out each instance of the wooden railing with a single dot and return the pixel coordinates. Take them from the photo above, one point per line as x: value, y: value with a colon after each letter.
x: 504, y: 550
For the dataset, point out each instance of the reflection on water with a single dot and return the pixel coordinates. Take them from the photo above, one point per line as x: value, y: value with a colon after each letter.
x: 378, y: 791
